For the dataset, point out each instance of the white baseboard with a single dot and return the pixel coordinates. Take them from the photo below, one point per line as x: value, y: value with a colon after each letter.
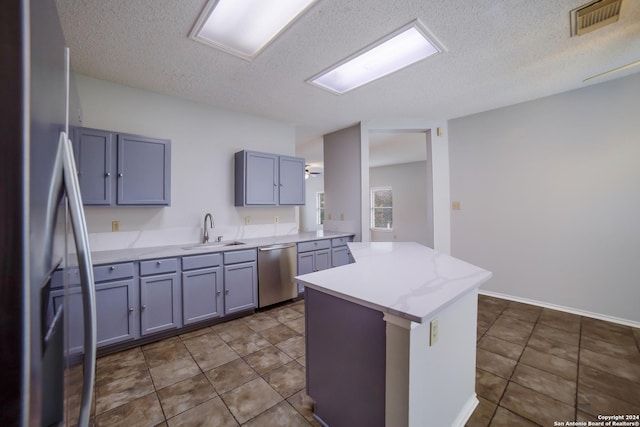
x: 466, y: 412
x: 571, y: 310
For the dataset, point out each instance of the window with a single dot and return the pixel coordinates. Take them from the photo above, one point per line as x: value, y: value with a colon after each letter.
x: 382, y: 208
x: 320, y: 208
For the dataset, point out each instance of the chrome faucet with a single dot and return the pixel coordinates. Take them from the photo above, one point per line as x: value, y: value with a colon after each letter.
x: 205, y: 236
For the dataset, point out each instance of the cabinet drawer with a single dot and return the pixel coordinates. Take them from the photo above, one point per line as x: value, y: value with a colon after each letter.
x: 73, y: 277
x: 240, y: 256
x: 102, y: 273
x: 340, y: 241
x: 313, y: 245
x: 157, y: 266
x: 201, y: 261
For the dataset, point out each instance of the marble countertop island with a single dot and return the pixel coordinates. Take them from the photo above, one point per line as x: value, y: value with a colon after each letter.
x: 406, y: 279
x: 387, y: 332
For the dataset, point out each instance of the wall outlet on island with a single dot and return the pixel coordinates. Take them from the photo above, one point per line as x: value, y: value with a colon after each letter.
x: 434, y: 332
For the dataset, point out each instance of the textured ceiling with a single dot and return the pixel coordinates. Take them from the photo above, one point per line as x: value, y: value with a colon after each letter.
x: 498, y: 53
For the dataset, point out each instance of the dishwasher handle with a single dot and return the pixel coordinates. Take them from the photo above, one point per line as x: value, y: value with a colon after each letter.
x: 274, y: 247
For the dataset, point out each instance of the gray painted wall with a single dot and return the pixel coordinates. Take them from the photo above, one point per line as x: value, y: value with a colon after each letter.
x: 409, y: 184
x: 342, y: 172
x: 550, y: 198
x: 204, y: 140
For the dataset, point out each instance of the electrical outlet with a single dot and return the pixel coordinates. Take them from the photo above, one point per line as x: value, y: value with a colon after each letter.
x: 247, y: 220
x: 341, y: 217
x: 329, y: 217
x: 434, y: 332
x: 276, y: 220
x: 455, y: 205
x: 115, y: 226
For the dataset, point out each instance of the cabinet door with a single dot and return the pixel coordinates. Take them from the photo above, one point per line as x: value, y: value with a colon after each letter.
x: 74, y: 317
x: 261, y: 174
x: 340, y: 256
x: 240, y: 287
x: 94, y: 156
x: 201, y: 294
x: 159, y: 303
x: 114, y: 312
x: 322, y: 259
x: 144, y: 171
x: 291, y: 181
x: 305, y: 263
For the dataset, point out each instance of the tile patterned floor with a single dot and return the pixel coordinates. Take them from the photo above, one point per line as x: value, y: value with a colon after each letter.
x: 534, y: 366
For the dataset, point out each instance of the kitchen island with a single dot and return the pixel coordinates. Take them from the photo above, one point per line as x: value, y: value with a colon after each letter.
x: 391, y: 338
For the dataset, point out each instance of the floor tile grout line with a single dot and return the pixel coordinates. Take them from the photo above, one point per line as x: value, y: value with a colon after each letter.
x: 514, y: 369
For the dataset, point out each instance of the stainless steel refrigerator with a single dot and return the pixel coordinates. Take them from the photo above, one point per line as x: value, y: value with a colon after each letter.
x: 42, y: 226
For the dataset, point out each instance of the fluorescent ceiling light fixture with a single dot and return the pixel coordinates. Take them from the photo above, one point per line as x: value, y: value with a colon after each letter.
x: 245, y: 27
x: 406, y: 46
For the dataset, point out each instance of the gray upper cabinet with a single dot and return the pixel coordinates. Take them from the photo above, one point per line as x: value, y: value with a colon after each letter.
x: 264, y: 179
x: 144, y: 171
x: 291, y: 177
x: 121, y: 169
x: 94, y: 155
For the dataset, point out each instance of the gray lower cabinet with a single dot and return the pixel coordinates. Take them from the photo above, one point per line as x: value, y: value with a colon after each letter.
x: 115, y: 312
x: 313, y: 256
x: 340, y: 254
x: 159, y: 296
x: 74, y: 317
x: 240, y: 281
x: 202, y: 285
x: 121, y: 169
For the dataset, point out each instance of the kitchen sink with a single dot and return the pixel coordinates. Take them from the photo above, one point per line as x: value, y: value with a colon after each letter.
x: 211, y: 245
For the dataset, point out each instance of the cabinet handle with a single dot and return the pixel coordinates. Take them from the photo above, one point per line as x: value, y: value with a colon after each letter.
x: 144, y: 306
x: 120, y: 175
x: 218, y: 293
x: 108, y: 174
x: 159, y: 262
x: 130, y: 309
x: 281, y: 185
x: 113, y: 267
x: 226, y: 292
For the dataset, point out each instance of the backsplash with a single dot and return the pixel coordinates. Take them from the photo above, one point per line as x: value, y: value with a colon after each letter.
x: 181, y: 235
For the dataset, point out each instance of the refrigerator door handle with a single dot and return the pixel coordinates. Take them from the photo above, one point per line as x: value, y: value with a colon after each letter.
x: 81, y: 236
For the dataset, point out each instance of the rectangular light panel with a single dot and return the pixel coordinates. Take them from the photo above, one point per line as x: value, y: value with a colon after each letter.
x: 398, y: 50
x: 245, y: 27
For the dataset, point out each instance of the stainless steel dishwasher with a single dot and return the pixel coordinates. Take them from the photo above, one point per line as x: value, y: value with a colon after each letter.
x: 277, y: 266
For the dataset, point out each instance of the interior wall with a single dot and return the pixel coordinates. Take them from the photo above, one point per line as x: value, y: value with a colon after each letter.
x: 550, y: 198
x: 204, y: 140
x: 313, y: 185
x: 342, y: 178
x: 438, y: 200
x: 408, y: 182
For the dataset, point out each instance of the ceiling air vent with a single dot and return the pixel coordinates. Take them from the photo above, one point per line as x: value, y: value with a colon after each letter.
x: 594, y: 15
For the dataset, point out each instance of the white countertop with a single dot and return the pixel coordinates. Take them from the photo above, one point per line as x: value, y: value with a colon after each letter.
x: 154, y: 252
x: 406, y: 279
